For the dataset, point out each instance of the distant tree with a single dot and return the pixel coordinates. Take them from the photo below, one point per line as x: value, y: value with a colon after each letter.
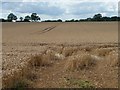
x: 66, y: 21
x: 34, y: 17
x: 114, y: 18
x: 118, y: 18
x: 27, y: 18
x: 105, y: 18
x: 38, y: 18
x: 11, y: 17
x: 2, y: 20
x: 88, y: 19
x: 97, y: 17
x: 59, y: 20
x: 72, y: 20
x: 76, y: 21
x: 21, y: 18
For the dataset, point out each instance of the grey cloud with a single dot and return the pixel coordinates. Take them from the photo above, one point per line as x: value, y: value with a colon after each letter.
x: 90, y: 8
x: 29, y: 7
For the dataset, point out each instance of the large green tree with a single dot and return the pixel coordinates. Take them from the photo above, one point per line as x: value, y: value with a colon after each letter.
x: 34, y: 17
x: 11, y: 17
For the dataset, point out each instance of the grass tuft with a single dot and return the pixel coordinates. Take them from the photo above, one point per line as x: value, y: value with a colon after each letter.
x: 39, y: 60
x: 102, y: 52
x: 84, y: 61
x: 68, y: 51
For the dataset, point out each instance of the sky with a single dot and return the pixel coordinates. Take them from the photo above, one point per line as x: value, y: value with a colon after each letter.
x: 59, y: 9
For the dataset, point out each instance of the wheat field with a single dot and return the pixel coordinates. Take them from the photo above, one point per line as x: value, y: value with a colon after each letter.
x: 60, y: 55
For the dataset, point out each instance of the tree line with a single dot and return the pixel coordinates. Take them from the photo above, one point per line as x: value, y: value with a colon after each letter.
x: 35, y: 18
x: 96, y: 17
x: 32, y: 18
